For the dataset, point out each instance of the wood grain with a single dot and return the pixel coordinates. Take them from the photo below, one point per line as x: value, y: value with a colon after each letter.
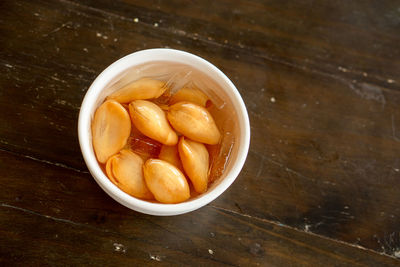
x: 99, y: 231
x: 349, y: 39
x: 320, y: 84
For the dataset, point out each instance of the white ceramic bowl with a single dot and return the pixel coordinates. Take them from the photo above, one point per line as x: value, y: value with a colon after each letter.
x: 96, y: 95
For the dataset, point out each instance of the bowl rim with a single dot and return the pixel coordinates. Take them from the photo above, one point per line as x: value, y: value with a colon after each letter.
x: 112, y: 190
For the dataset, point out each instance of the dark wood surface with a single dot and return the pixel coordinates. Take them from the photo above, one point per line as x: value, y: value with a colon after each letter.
x: 321, y: 184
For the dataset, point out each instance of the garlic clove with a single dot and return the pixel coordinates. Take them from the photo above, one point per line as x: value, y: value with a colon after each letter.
x: 193, y: 95
x: 125, y: 170
x: 111, y: 127
x: 165, y: 181
x: 144, y: 88
x: 151, y: 121
x: 195, y: 161
x: 194, y: 122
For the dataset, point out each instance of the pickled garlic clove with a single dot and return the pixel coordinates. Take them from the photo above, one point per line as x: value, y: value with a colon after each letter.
x: 165, y: 181
x: 111, y: 127
x: 194, y: 122
x: 151, y: 121
x: 125, y: 170
x: 144, y: 88
x: 192, y: 95
x: 195, y: 161
x: 171, y: 155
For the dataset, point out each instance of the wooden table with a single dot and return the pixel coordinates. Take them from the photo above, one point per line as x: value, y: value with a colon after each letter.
x: 321, y: 184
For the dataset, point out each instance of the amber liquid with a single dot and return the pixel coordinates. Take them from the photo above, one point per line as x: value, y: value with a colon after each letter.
x: 221, y: 112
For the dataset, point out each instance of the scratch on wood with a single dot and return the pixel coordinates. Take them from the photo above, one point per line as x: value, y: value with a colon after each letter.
x: 289, y: 170
x: 55, y: 164
x: 95, y: 228
x: 41, y: 215
x: 111, y: 23
x: 58, y: 28
x: 87, y: 69
x: 394, y: 130
x: 58, y: 79
x: 261, y: 167
x: 367, y: 91
x: 43, y: 161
